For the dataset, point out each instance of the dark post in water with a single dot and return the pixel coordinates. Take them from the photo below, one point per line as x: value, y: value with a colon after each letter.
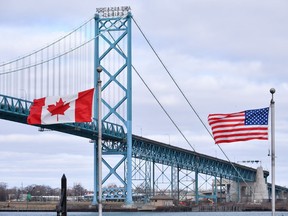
x: 61, y: 208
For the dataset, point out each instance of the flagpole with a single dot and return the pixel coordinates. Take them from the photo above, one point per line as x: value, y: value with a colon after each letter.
x: 272, y: 105
x: 99, y: 70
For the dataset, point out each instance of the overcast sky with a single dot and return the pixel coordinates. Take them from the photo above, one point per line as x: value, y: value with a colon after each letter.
x: 225, y: 55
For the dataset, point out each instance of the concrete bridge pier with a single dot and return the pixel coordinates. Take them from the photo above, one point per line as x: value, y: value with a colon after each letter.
x: 255, y: 192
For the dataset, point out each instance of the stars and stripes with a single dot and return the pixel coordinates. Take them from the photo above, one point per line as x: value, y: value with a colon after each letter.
x: 240, y: 126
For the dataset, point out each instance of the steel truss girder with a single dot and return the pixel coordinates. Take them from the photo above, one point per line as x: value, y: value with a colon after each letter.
x: 112, y: 194
x: 279, y: 190
x: 190, y: 160
x: 141, y: 179
x: 17, y: 110
x: 186, y: 183
x: 162, y: 177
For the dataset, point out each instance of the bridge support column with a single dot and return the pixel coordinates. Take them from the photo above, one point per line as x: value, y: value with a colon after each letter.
x: 128, y: 200
x: 147, y: 180
x: 215, y: 190
x: 175, y: 183
x: 153, y: 178
x: 129, y: 113
x: 96, y: 111
x: 196, y: 188
x: 221, y: 191
x: 238, y: 191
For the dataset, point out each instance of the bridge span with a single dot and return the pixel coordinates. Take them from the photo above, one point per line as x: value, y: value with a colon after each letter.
x: 17, y: 110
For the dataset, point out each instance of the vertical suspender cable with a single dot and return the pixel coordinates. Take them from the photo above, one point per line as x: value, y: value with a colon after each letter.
x: 81, y: 71
x: 9, y: 80
x: 53, y: 70
x: 78, y: 62
x: 2, y: 87
x: 35, y: 77
x: 4, y: 81
x: 65, y: 75
x: 69, y: 69
x: 74, y: 65
x: 41, y: 83
x: 59, y: 68
x: 47, y: 73
x: 15, y: 82
x: 29, y: 80
x: 84, y: 72
x: 22, y: 76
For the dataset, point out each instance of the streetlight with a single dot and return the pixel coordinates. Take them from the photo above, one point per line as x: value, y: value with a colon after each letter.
x: 99, y: 70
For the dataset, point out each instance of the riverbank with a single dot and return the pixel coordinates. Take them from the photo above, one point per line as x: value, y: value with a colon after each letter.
x: 51, y: 206
x: 120, y: 207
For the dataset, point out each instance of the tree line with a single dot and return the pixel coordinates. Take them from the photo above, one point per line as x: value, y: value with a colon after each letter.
x: 15, y: 193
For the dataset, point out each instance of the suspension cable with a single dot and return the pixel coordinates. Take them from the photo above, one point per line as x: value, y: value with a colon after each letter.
x: 45, y: 47
x: 53, y: 57
x: 48, y: 60
x: 162, y: 107
x: 174, y: 81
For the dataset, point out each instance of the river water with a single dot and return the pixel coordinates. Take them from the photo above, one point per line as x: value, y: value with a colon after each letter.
x: 146, y: 214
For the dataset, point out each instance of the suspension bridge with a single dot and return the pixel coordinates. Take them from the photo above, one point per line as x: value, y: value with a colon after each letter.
x: 67, y: 66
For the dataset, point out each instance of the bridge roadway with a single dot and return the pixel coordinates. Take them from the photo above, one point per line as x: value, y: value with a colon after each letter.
x: 17, y: 110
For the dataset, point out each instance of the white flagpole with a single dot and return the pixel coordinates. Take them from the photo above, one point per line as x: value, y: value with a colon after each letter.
x: 272, y: 105
x: 99, y: 70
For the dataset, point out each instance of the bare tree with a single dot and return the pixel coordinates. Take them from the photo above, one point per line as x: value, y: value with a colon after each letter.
x: 3, y: 191
x: 78, y: 189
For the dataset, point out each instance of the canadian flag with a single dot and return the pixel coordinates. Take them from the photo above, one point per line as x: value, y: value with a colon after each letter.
x: 62, y: 109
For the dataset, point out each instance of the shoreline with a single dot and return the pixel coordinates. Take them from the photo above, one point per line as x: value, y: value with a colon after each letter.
x: 119, y: 207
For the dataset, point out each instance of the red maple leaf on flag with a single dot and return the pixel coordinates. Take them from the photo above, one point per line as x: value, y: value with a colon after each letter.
x: 59, y: 108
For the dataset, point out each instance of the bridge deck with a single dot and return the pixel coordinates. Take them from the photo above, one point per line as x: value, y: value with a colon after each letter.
x: 190, y: 160
x: 17, y: 110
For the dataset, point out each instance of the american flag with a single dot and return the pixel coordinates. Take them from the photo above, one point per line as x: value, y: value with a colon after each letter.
x: 240, y: 126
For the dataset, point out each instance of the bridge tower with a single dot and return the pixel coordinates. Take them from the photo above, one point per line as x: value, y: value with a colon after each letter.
x: 113, y: 54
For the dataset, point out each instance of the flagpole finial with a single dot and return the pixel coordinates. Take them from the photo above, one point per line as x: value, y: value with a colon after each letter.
x: 272, y: 91
x: 99, y: 69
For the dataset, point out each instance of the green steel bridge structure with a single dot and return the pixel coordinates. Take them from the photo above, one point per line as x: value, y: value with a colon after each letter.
x: 106, y: 40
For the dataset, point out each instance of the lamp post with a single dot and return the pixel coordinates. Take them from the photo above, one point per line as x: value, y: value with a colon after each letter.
x: 272, y: 105
x: 99, y: 70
